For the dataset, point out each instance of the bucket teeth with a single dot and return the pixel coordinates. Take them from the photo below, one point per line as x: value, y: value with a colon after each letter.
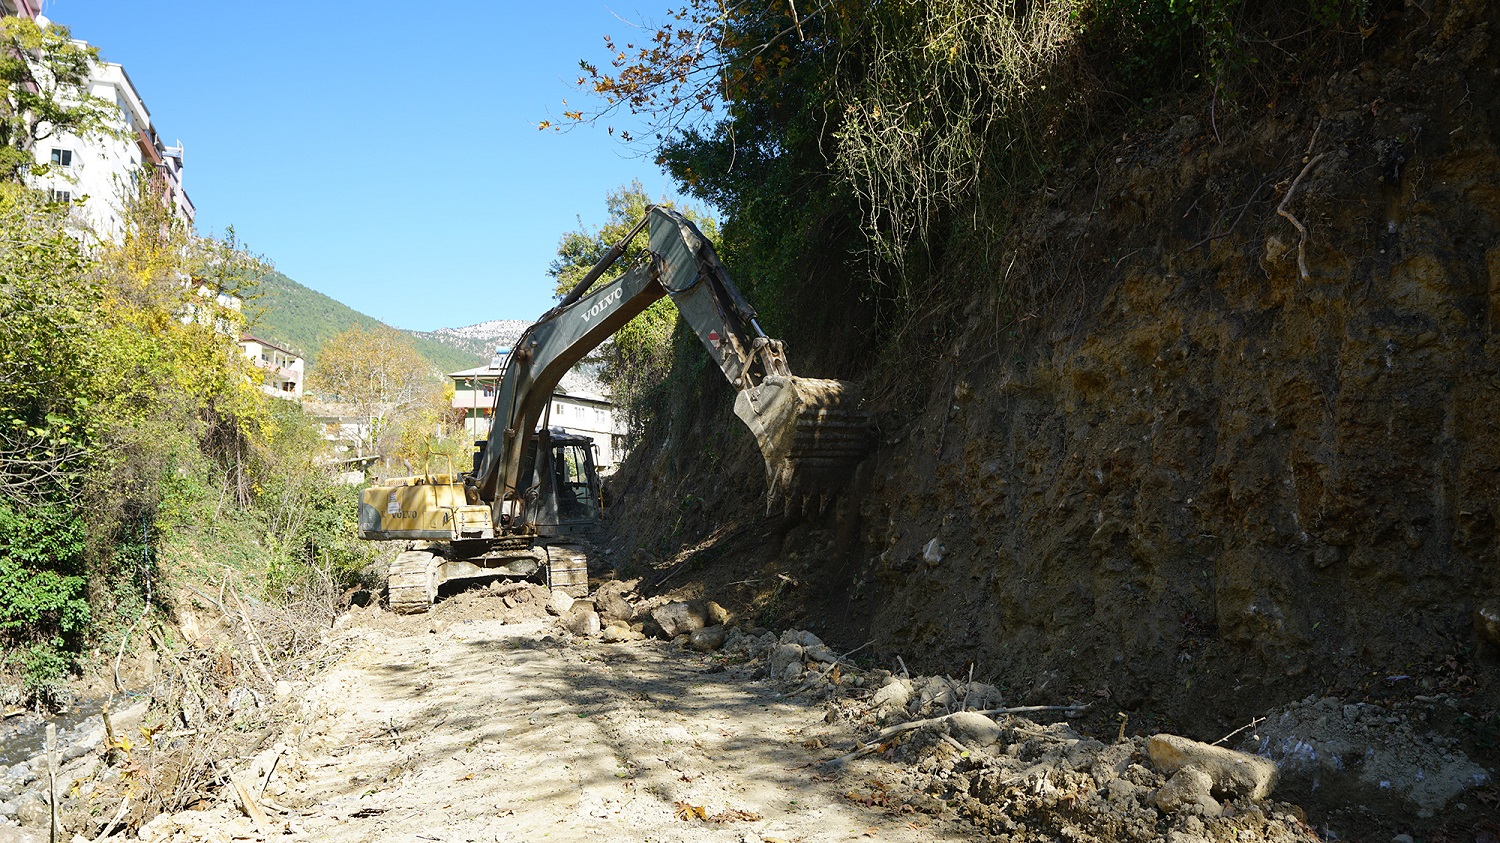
x: 811, y: 432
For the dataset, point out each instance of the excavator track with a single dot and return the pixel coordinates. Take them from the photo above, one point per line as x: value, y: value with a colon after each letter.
x: 411, y: 584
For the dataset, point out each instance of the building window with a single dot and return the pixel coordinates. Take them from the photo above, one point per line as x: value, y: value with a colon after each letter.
x: 489, y: 389
x: 61, y: 195
x: 62, y: 157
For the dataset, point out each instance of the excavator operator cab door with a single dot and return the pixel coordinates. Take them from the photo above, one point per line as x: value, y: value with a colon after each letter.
x: 569, y: 485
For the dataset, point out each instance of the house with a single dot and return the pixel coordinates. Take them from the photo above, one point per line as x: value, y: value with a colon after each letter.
x: 579, y: 405
x: 103, y: 171
x: 282, y: 369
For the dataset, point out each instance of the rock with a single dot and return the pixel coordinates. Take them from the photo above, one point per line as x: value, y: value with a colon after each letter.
x: 22, y: 835
x: 802, y: 638
x: 717, y: 615
x: 1487, y: 624
x: 783, y: 656
x: 582, y: 620
x: 283, y: 690
x: 936, y: 692
x: 895, y: 695
x: 1189, y: 789
x: 681, y: 617
x: 611, y: 603
x: 932, y: 554
x: 973, y: 728
x: 1233, y: 774
x: 821, y: 653
x: 707, y: 639
x: 32, y: 811
x: 560, y: 603
x: 979, y: 696
x: 614, y: 634
x: 1403, y: 838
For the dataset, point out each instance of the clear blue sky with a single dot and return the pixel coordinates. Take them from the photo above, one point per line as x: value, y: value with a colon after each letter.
x: 383, y: 153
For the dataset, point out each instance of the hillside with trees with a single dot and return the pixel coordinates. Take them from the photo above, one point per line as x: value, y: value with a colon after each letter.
x: 303, y: 320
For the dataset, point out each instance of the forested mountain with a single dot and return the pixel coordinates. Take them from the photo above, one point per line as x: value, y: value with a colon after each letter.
x: 289, y: 314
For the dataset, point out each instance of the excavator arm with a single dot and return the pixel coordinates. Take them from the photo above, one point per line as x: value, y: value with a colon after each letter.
x: 808, y: 430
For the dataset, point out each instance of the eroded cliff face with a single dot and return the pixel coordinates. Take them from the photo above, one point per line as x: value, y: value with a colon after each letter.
x: 1207, y: 468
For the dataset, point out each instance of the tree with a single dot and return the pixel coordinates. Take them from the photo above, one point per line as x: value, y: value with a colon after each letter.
x: 639, y: 357
x: 379, y: 374
x: 49, y: 337
x: 44, y: 92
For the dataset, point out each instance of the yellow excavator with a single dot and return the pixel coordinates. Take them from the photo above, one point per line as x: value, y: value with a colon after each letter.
x: 531, y: 500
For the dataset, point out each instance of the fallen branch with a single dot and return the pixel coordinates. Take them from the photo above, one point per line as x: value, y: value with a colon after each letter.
x: 119, y: 815
x: 874, y: 742
x: 1249, y: 725
x: 1301, y: 229
x: 989, y: 712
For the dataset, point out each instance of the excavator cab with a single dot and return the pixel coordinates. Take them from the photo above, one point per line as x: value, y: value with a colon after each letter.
x: 567, y: 500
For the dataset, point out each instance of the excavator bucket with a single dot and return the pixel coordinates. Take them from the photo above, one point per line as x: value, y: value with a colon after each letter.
x: 811, y: 433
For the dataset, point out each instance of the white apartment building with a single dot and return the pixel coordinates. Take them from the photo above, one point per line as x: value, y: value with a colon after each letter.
x: 282, y: 369
x: 103, y: 171
x: 578, y: 406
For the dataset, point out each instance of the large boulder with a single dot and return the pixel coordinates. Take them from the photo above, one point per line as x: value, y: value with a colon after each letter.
x: 973, y: 728
x: 1234, y: 774
x: 681, y: 618
x: 611, y: 603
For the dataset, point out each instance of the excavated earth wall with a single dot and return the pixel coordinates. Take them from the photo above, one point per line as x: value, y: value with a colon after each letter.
x: 1210, y: 469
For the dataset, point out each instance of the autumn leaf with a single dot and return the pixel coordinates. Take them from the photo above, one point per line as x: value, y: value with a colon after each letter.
x: 686, y: 811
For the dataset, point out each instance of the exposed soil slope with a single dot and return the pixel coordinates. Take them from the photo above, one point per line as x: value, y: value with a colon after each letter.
x: 1189, y: 479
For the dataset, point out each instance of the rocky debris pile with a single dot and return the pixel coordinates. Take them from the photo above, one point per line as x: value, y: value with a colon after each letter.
x: 960, y: 749
x: 1367, y: 753
x: 503, y: 600
x: 957, y: 748
x: 25, y: 792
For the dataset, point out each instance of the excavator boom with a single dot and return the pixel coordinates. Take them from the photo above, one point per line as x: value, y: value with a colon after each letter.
x: 809, y: 431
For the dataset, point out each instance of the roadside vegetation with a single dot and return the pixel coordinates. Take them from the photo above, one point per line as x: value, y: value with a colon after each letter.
x: 889, y: 136
x: 138, y: 455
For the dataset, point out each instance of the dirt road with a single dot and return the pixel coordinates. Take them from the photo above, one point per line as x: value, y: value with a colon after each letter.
x: 477, y: 730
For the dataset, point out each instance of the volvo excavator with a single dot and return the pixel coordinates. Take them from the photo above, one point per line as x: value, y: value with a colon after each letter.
x: 531, y: 499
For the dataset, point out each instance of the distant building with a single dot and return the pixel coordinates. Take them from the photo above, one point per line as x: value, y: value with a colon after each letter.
x: 282, y: 369
x: 103, y: 171
x: 20, y: 8
x: 579, y: 406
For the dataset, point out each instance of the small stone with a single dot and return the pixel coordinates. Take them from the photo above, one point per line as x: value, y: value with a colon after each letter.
x: 560, y: 603
x: 1402, y: 838
x: 614, y: 634
x: 973, y: 728
x: 1234, y: 774
x: 932, y: 554
x: 707, y: 639
x: 1188, y: 789
x: 32, y: 811
x: 582, y: 621
x: 782, y: 656
x: 895, y: 695
x: 1487, y: 623
x: 717, y: 615
x: 283, y: 690
x: 821, y: 653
